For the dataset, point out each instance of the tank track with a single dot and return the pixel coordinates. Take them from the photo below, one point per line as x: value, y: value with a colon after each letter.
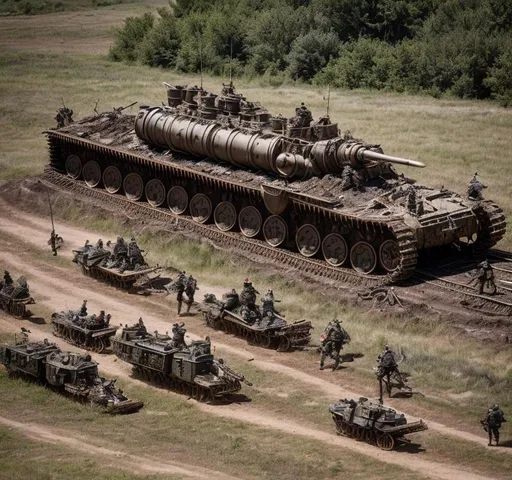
x: 198, y: 392
x: 250, y: 247
x: 494, y: 225
x: 123, y: 283
x: 11, y: 307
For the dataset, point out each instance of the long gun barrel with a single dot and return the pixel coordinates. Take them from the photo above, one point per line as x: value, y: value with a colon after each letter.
x: 254, y: 149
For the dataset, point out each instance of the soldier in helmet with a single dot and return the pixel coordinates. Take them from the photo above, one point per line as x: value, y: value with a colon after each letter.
x: 476, y: 188
x: 333, y: 339
x: 64, y: 117
x: 267, y: 308
x: 190, y: 290
x: 180, y: 289
x: 178, y: 336
x: 492, y: 423
x: 248, y: 295
x: 83, y: 309
x: 53, y: 242
x: 485, y: 277
x: 99, y: 244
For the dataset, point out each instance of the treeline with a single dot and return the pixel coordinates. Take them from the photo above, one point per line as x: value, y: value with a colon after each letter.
x: 458, y: 47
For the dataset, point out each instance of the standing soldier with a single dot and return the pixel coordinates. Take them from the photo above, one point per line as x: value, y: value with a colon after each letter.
x: 180, y: 290
x: 485, y: 277
x: 178, y: 336
x: 83, y: 310
x: 334, y: 337
x: 53, y: 242
x: 492, y: 423
x: 190, y: 290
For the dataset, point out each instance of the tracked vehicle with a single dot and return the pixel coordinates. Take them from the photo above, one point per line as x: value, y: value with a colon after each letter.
x: 292, y: 190
x: 68, y: 372
x: 15, y: 296
x: 268, y: 331
x: 372, y: 423
x: 98, y: 262
x: 192, y: 371
x: 87, y: 332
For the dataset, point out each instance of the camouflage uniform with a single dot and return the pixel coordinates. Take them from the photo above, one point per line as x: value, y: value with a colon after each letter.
x: 141, y: 328
x: 486, y: 278
x: 53, y: 242
x: 83, y: 310
x: 332, y: 343
x: 492, y: 423
x: 249, y: 311
x: 386, y: 363
x: 180, y: 290
x: 190, y: 290
x: 64, y: 117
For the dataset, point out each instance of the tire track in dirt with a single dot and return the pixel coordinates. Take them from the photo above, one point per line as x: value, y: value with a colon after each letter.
x: 253, y: 416
x: 31, y: 229
x: 124, y: 461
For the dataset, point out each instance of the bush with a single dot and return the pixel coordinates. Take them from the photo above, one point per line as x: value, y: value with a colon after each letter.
x: 129, y: 37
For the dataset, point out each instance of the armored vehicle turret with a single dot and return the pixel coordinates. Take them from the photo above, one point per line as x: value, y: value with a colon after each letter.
x: 291, y: 190
x: 372, y: 422
x: 191, y: 370
x: 72, y: 373
x: 14, y: 296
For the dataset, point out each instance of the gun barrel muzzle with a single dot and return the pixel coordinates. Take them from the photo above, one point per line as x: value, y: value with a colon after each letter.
x: 380, y: 157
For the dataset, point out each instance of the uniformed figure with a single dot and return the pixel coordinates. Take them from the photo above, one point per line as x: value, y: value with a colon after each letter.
x: 180, y: 290
x: 412, y: 202
x: 83, y: 310
x: 485, y: 277
x: 141, y: 328
x: 386, y: 362
x: 492, y: 423
x: 248, y: 295
x: 99, y: 244
x: 334, y: 336
x: 178, y: 336
x: 64, y: 117
x: 190, y: 290
x: 7, y: 278
x: 53, y: 242
x: 232, y: 300
x: 268, y: 300
x: 475, y: 188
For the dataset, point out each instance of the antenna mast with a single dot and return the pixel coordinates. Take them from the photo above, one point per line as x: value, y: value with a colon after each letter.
x: 328, y: 99
x: 51, y: 211
x: 201, y: 61
x: 230, y: 66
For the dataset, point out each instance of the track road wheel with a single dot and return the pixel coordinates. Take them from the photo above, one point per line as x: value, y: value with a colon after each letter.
x: 155, y: 192
x: 308, y: 240
x: 275, y: 230
x: 389, y: 255
x: 177, y: 200
x: 200, y: 208
x: 73, y: 166
x: 250, y: 221
x: 112, y: 179
x: 133, y: 186
x: 363, y: 258
x: 225, y: 216
x: 335, y: 249
x: 92, y: 174
x: 385, y: 441
x: 284, y: 344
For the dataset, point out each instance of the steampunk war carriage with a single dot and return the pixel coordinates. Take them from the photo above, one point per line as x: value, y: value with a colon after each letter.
x: 124, y: 268
x: 71, y: 373
x: 289, y: 189
x: 372, y: 423
x: 192, y: 371
x: 269, y: 331
x: 15, y: 296
x: 89, y: 332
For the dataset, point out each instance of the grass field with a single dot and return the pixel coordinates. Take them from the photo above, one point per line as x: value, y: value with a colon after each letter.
x: 48, y: 59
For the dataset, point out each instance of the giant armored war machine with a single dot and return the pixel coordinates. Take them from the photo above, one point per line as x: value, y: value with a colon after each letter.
x: 289, y: 189
x: 71, y: 373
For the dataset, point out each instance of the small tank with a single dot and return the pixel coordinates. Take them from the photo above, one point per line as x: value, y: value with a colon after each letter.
x: 71, y: 373
x: 259, y: 325
x: 372, y: 423
x: 92, y: 332
x: 192, y: 370
x: 121, y: 265
x: 15, y: 296
x: 292, y: 190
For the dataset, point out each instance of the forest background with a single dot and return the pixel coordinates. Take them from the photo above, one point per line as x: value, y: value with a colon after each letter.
x: 461, y: 48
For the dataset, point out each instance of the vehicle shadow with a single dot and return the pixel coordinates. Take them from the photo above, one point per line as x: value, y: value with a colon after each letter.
x: 409, y: 448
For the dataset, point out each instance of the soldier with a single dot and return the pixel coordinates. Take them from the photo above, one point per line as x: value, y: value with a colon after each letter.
x: 248, y: 296
x: 83, y: 310
x: 386, y: 361
x: 485, y: 277
x: 232, y: 300
x: 190, y: 290
x: 100, y: 320
x: 99, y: 244
x: 492, y: 423
x: 334, y: 336
x: 475, y: 188
x: 412, y: 200
x: 64, y: 117
x: 268, y: 300
x: 178, y: 336
x: 180, y: 290
x: 7, y: 278
x: 53, y: 242
x: 141, y: 328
